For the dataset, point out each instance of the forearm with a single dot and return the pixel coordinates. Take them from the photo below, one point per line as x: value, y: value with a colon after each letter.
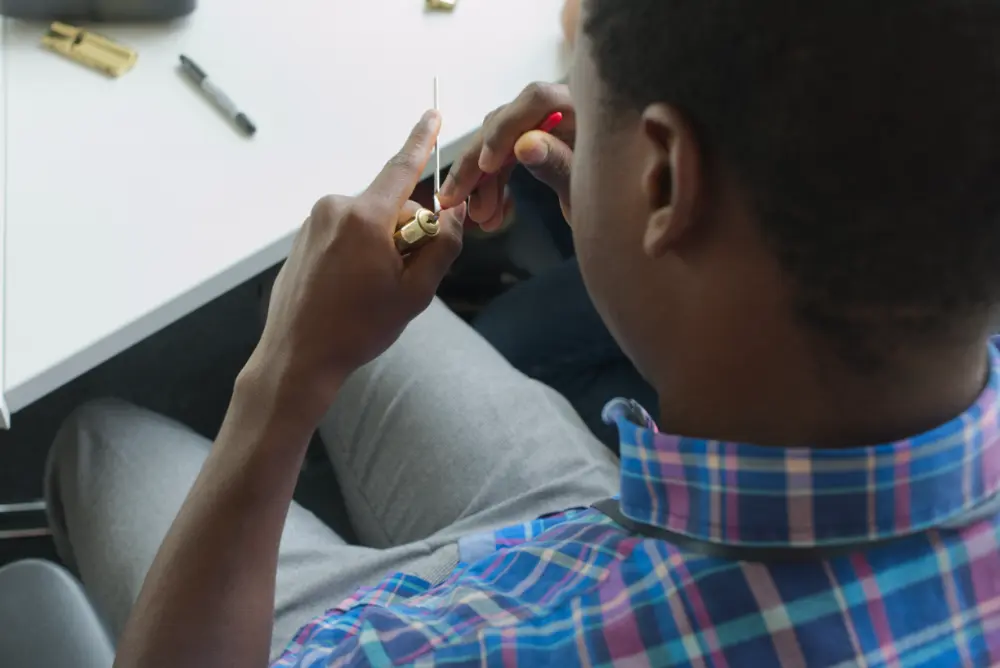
x: 208, y: 599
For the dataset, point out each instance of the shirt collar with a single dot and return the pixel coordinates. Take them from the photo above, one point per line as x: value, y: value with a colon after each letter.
x: 745, y: 494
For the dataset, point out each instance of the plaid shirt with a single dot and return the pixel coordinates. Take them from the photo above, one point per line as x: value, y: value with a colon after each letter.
x: 578, y: 590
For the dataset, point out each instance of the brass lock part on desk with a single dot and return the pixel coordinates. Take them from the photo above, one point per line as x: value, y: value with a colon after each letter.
x: 417, y: 231
x: 90, y: 49
x: 441, y: 5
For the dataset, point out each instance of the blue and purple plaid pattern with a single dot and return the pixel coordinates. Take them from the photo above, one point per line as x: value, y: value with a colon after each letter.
x: 577, y: 590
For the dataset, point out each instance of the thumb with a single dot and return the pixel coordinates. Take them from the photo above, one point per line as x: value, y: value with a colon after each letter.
x: 548, y: 158
x: 427, y: 267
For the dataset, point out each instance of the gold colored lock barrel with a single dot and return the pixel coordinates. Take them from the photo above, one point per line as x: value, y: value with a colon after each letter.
x: 417, y: 231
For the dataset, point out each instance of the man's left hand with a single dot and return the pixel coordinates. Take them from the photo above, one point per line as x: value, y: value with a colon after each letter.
x: 345, y: 294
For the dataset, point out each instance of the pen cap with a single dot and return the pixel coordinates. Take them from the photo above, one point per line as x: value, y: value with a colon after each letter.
x: 98, y: 10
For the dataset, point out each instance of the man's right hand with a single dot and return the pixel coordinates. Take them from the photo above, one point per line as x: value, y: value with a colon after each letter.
x: 511, y: 130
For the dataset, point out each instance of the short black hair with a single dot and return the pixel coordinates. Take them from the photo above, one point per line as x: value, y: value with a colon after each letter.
x: 867, y: 133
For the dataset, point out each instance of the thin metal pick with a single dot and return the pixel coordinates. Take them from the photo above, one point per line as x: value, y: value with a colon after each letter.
x: 437, y: 156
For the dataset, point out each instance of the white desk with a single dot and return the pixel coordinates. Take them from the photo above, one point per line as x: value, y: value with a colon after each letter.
x: 129, y: 203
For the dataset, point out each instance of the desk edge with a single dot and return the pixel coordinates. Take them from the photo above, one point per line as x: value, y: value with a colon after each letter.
x: 4, y: 412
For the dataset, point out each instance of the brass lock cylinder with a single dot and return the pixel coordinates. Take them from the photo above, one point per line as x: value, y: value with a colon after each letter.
x: 414, y: 233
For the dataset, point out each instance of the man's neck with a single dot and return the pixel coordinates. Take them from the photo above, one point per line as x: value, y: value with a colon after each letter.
x: 778, y: 390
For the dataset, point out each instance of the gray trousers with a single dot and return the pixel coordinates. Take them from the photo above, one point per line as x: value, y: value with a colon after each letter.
x: 438, y: 438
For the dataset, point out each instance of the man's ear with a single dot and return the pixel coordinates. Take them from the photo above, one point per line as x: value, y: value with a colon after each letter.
x: 673, y: 179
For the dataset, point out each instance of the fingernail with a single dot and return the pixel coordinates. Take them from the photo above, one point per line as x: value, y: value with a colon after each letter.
x: 430, y: 118
x: 486, y: 159
x: 447, y: 186
x: 533, y: 152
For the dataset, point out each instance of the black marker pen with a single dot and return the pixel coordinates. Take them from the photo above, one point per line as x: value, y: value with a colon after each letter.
x: 216, y: 96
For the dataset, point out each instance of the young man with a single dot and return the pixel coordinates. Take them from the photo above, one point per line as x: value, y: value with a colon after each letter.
x: 788, y: 215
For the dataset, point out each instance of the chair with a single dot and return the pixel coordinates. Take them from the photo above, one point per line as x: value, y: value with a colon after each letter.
x: 46, y: 620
